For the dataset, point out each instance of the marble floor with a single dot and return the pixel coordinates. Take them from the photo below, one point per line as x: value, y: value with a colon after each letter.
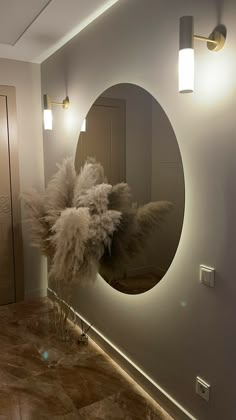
x: 42, y: 377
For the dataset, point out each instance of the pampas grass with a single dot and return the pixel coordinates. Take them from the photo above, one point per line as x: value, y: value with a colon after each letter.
x: 91, y: 174
x: 59, y: 193
x: 81, y: 222
x: 72, y: 225
x: 132, y: 236
x: 96, y: 198
x: 43, y: 209
x: 120, y: 197
x: 37, y: 220
x: 70, y: 234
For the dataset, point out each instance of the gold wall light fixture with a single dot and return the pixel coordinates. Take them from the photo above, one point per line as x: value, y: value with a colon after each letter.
x: 215, y: 42
x: 47, y: 110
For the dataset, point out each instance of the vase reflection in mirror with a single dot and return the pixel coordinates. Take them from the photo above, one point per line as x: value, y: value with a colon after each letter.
x: 128, y: 132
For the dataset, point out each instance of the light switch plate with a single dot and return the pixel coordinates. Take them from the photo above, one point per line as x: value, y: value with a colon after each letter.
x: 207, y: 275
x: 203, y: 388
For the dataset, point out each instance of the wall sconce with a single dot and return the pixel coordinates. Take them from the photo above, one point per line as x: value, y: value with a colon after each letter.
x: 215, y: 42
x: 47, y: 110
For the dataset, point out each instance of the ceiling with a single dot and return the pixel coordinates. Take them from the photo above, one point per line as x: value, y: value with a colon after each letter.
x: 32, y: 30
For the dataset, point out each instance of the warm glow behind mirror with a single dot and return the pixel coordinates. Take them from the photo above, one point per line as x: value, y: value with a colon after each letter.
x: 186, y: 70
x: 47, y: 117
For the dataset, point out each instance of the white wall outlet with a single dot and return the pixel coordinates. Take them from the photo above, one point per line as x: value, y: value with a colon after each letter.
x: 207, y: 275
x: 203, y: 388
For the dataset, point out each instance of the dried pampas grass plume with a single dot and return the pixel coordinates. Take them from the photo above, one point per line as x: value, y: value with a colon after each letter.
x: 132, y: 236
x: 91, y: 174
x: 59, y: 193
x: 96, y: 198
x: 120, y: 197
x: 152, y: 215
x: 70, y: 233
x: 102, y: 229
x: 36, y: 217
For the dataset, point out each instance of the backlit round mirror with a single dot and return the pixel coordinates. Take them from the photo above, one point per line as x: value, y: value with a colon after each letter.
x: 128, y: 132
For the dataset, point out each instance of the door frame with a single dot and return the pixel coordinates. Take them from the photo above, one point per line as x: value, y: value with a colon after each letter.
x: 10, y: 93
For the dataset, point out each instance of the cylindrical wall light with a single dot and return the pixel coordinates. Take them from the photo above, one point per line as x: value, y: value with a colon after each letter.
x: 186, y: 55
x: 214, y: 42
x: 47, y: 113
x: 83, y: 128
x: 47, y: 110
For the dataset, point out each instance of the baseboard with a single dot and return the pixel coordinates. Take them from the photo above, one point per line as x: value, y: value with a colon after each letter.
x: 148, y: 384
x: 35, y: 293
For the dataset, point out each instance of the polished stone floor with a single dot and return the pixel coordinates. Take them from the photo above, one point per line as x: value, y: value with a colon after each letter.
x: 42, y: 377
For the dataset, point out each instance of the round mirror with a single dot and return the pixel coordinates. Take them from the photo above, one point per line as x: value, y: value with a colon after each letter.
x: 128, y: 132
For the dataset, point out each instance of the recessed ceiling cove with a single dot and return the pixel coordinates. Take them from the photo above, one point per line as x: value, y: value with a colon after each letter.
x: 32, y: 30
x: 15, y: 20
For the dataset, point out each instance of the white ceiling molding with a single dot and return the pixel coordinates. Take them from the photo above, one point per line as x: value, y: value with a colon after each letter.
x: 37, y: 28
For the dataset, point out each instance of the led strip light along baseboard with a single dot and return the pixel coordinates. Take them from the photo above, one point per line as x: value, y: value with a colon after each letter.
x: 174, y: 407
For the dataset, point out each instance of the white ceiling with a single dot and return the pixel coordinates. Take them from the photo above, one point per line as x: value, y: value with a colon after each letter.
x: 32, y: 30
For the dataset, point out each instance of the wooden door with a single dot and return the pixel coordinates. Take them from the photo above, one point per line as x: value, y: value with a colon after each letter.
x: 11, y: 249
x: 105, y: 138
x: 7, y: 280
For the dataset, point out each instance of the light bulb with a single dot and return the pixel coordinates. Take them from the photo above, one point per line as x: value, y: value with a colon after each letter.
x: 83, y: 128
x: 47, y: 117
x: 186, y: 70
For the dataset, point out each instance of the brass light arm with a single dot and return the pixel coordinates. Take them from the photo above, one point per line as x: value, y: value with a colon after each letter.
x: 65, y: 103
x: 205, y: 39
x: 215, y: 41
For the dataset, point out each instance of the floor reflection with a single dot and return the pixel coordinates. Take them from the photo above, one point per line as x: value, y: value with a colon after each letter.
x: 44, y: 378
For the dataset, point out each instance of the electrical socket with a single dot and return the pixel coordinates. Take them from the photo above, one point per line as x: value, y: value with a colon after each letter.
x: 203, y: 388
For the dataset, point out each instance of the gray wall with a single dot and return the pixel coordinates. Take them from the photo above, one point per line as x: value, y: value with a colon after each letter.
x: 26, y: 78
x: 180, y: 328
